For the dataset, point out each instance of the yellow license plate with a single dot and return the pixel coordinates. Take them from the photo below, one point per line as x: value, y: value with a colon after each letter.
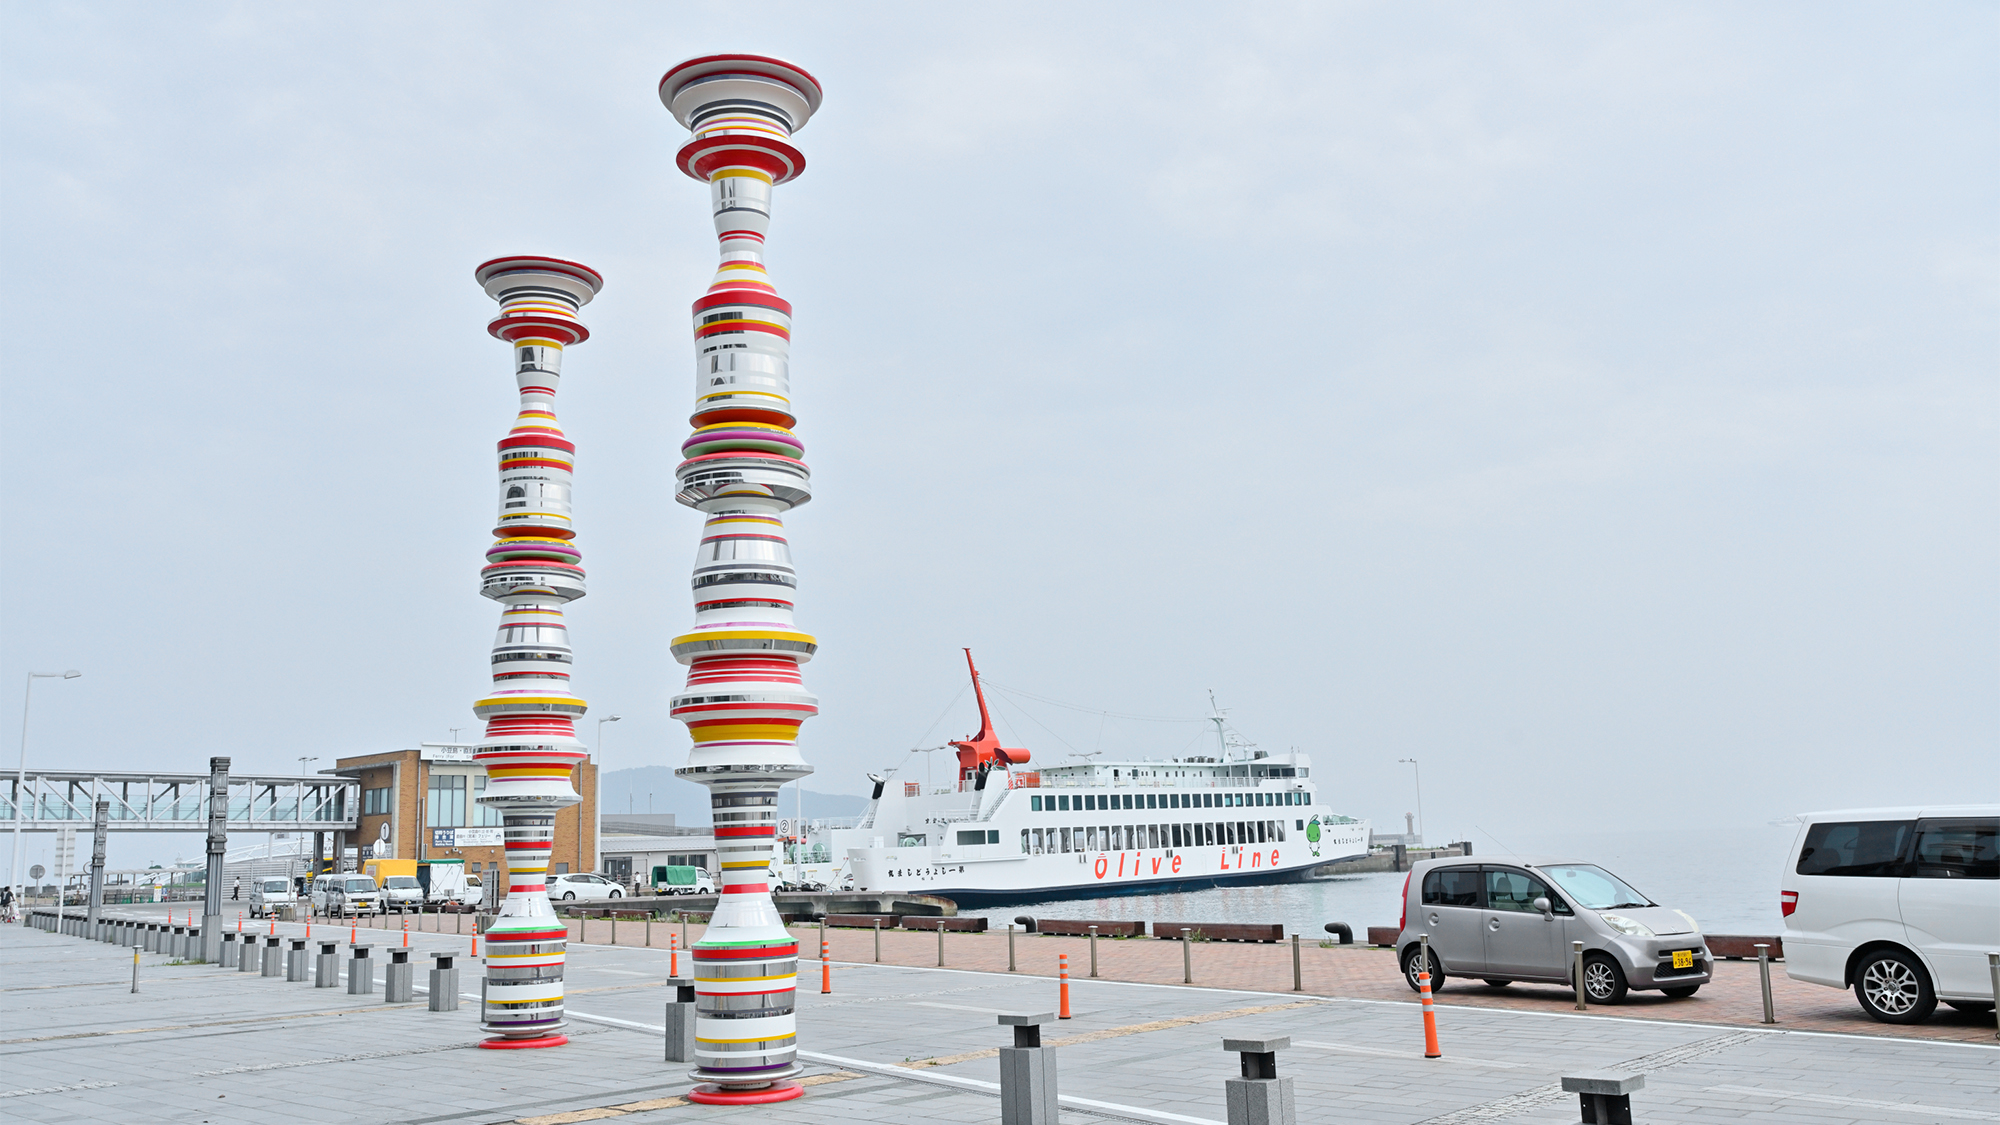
x: 1683, y: 958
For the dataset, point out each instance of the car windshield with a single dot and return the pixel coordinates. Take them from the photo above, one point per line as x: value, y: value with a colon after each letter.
x: 276, y: 885
x: 357, y: 885
x: 400, y: 882
x: 1594, y: 888
x: 472, y: 880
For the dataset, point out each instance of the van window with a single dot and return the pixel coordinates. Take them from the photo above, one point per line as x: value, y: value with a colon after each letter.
x: 1452, y: 886
x: 1871, y: 848
x: 272, y: 886
x: 359, y: 885
x: 1958, y: 849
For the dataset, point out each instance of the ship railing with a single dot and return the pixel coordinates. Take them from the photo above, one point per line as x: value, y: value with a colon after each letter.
x: 1058, y: 781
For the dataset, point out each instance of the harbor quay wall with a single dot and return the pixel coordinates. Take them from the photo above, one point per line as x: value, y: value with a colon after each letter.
x: 1395, y: 858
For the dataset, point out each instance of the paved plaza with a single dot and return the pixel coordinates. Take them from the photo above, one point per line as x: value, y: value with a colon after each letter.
x: 893, y: 1043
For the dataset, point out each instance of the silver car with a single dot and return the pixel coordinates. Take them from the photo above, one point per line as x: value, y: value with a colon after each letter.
x: 1500, y: 921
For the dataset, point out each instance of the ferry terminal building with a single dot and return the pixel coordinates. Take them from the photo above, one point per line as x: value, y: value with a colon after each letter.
x: 426, y: 799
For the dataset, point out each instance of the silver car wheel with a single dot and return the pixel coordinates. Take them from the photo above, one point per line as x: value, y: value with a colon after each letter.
x: 1891, y: 986
x: 1599, y: 981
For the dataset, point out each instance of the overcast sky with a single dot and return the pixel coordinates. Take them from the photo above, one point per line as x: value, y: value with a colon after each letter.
x: 1593, y: 401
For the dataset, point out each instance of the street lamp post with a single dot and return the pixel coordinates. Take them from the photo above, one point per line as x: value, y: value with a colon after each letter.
x: 21, y: 772
x: 597, y: 798
x: 1412, y: 762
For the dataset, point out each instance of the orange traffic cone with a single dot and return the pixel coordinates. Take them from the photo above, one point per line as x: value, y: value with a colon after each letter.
x: 1062, y: 960
x: 1430, y: 1016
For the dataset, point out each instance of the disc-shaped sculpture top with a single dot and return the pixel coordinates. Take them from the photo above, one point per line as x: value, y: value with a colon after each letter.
x: 539, y: 297
x: 743, y: 110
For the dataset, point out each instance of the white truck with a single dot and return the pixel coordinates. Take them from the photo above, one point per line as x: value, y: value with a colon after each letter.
x: 451, y: 886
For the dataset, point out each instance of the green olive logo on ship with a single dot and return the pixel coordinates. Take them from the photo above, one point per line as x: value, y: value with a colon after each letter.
x: 1312, y: 830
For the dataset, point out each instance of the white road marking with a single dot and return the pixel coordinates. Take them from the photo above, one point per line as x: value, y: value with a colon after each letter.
x: 1857, y: 1103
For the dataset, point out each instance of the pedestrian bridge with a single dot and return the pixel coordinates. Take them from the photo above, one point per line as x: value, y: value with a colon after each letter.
x: 46, y: 800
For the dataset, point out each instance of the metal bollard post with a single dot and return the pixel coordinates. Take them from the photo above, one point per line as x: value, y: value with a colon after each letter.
x: 444, y: 983
x: 1993, y: 969
x: 1259, y: 1097
x: 1028, y: 1073
x: 1605, y: 1095
x: 1187, y: 956
x: 1010, y: 948
x: 1576, y: 974
x: 878, y: 941
x: 360, y: 973
x: 399, y: 978
x: 297, y: 960
x: 1093, y: 951
x: 326, y: 972
x: 1764, y: 973
x: 274, y: 957
x: 135, y: 968
x: 680, y: 1019
x: 1298, y: 977
x: 940, y: 945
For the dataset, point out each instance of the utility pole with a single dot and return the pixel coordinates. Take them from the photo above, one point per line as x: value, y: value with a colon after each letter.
x: 21, y: 773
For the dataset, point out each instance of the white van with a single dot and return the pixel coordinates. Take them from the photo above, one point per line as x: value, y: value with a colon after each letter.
x: 350, y: 893
x: 269, y: 893
x: 1901, y: 905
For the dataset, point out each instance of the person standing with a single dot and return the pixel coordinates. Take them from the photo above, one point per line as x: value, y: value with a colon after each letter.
x: 236, y: 889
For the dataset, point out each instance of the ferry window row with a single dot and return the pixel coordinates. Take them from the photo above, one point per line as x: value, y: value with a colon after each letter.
x: 1143, y: 837
x: 1093, y: 802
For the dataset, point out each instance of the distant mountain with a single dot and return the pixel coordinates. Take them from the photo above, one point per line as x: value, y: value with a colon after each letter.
x: 655, y: 789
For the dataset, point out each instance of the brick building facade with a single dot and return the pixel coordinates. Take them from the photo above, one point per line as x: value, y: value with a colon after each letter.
x: 426, y: 798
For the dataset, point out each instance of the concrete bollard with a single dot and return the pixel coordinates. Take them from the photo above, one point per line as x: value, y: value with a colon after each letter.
x: 1259, y: 1097
x: 177, y: 943
x: 298, y: 963
x: 249, y: 959
x: 399, y: 978
x: 360, y: 973
x: 1028, y: 1073
x: 149, y: 938
x: 326, y: 970
x: 1606, y: 1095
x: 680, y: 1019
x: 193, y: 951
x: 231, y: 951
x: 444, y: 983
x: 274, y: 957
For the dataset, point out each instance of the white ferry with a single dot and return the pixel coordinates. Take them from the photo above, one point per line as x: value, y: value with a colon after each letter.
x: 1002, y: 833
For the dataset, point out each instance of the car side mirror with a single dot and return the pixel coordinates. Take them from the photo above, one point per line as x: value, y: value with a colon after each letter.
x: 1542, y: 904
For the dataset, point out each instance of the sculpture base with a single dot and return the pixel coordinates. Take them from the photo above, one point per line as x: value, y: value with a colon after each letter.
x: 504, y: 1044
x: 716, y: 1095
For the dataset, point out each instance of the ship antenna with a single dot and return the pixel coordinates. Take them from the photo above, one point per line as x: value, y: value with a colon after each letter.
x: 1221, y: 740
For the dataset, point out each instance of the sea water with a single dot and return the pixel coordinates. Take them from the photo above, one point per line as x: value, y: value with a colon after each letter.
x: 1729, y: 881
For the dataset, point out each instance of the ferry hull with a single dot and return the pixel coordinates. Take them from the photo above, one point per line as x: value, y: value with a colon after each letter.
x: 975, y: 898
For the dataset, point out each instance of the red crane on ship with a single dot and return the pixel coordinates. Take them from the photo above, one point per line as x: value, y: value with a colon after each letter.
x: 982, y: 752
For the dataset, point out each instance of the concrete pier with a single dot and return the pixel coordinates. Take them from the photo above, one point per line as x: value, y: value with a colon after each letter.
x: 909, y: 1045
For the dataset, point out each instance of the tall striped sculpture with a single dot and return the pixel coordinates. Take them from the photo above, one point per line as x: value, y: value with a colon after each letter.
x: 744, y: 698
x: 531, y: 746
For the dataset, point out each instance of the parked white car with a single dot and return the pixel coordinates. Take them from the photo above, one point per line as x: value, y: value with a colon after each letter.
x: 582, y: 886
x: 1901, y: 905
x: 341, y: 895
x: 269, y: 894
x: 402, y: 892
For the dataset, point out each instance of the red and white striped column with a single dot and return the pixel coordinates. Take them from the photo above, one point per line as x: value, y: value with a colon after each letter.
x: 742, y: 468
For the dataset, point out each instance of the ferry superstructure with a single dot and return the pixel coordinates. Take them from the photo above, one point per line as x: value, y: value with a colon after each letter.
x: 1001, y: 833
